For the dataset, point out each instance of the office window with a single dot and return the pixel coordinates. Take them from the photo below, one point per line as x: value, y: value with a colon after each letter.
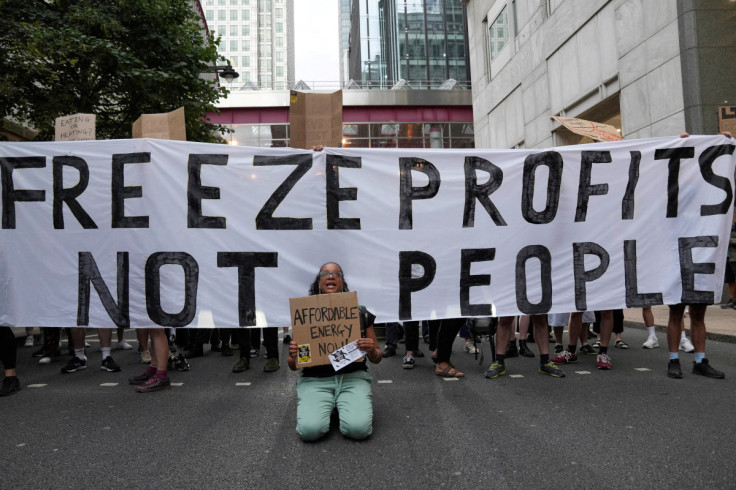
x: 209, y: 15
x: 233, y: 2
x: 245, y: 46
x: 245, y: 60
x: 279, y: 42
x: 499, y: 33
x: 279, y: 12
x: 233, y: 14
x: 233, y: 29
x: 222, y: 15
x: 279, y: 27
x: 221, y: 30
x: 220, y: 2
x: 246, y: 15
x: 245, y: 30
x: 245, y: 2
x: 280, y: 56
x: 279, y: 71
x: 233, y: 45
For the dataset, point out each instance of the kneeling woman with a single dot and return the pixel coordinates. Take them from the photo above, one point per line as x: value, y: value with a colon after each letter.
x: 321, y: 389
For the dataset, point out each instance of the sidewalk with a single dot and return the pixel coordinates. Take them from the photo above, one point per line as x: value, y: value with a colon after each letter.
x: 720, y: 323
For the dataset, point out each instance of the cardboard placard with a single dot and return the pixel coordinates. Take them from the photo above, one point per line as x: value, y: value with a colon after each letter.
x: 315, y: 119
x: 727, y: 119
x: 594, y: 130
x: 77, y: 127
x: 165, y: 126
x: 322, y: 324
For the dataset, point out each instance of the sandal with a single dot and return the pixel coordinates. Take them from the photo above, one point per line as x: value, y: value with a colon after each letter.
x: 621, y: 344
x: 449, y: 372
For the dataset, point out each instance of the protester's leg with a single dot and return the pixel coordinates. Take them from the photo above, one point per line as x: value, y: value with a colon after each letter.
x: 315, y: 402
x: 504, y: 333
x: 449, y: 328
x: 271, y: 342
x: 411, y: 336
x: 354, y: 403
x: 697, y: 327
x: 8, y: 350
x: 673, y: 328
x: 606, y: 328
x: 434, y: 328
x: 392, y: 338
x: 539, y: 323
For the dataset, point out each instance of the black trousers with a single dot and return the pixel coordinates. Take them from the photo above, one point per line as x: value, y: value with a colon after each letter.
x: 8, y: 348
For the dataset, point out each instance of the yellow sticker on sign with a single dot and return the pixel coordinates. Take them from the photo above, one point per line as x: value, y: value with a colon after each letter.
x: 304, y: 353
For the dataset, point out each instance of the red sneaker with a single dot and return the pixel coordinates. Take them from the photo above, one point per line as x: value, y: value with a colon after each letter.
x: 565, y: 358
x: 604, y: 362
x: 154, y: 384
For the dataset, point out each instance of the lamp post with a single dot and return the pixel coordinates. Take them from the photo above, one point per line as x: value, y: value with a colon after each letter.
x: 226, y: 72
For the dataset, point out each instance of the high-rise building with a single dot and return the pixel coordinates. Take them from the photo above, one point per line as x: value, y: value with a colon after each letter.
x: 256, y: 37
x: 419, y: 42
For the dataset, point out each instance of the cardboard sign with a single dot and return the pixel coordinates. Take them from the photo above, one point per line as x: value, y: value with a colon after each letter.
x: 727, y: 119
x: 315, y: 119
x: 322, y: 324
x: 77, y: 127
x: 165, y: 126
x: 594, y: 130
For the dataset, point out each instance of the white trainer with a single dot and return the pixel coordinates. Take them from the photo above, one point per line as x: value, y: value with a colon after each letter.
x: 124, y: 345
x: 686, y: 345
x: 29, y: 341
x: 651, y: 343
x: 470, y: 348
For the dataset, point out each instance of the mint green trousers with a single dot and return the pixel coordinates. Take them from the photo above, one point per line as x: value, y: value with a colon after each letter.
x: 349, y: 393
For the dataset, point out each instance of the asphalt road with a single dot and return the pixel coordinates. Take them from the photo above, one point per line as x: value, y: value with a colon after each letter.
x: 631, y: 427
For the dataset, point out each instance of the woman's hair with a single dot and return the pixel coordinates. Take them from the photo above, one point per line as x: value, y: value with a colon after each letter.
x: 314, y: 288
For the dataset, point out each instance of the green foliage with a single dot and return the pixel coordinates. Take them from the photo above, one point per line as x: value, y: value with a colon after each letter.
x: 117, y: 59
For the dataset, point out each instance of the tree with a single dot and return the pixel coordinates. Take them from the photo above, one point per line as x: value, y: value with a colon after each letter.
x: 117, y: 59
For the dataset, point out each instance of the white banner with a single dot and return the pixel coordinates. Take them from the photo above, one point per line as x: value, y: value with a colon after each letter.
x: 149, y: 232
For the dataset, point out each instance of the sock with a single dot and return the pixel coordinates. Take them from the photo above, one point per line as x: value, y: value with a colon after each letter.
x: 151, y: 370
x: 602, y: 350
x: 500, y: 358
x: 571, y: 348
x: 683, y: 336
x: 651, y: 331
x: 674, y: 355
x: 79, y: 354
x: 699, y: 356
x: 543, y: 359
x: 105, y: 352
x: 162, y: 374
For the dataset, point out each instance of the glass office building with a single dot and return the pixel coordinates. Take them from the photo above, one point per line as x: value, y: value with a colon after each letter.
x: 419, y: 42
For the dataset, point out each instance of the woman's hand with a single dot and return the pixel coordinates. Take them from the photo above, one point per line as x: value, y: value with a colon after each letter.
x: 371, y: 349
x: 293, y: 351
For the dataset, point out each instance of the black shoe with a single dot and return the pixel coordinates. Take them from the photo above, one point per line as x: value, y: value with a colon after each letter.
x: 425, y: 338
x: 272, y: 364
x: 524, y: 350
x: 11, y: 386
x: 226, y: 350
x: 511, y: 350
x: 287, y: 339
x: 254, y: 351
x: 74, y: 365
x: 40, y: 352
x: 216, y: 348
x: 181, y: 364
x: 195, y: 351
x: 389, y: 351
x: 673, y: 369
x: 559, y: 349
x: 243, y: 364
x: 109, y: 365
x: 418, y: 353
x: 703, y: 368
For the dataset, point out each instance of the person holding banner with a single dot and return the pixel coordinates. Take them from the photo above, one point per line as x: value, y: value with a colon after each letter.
x: 701, y: 365
x: 156, y: 376
x: 321, y: 389
x: 505, y: 332
x: 8, y: 357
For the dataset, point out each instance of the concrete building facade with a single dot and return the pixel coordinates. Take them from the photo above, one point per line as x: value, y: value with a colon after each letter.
x: 648, y: 67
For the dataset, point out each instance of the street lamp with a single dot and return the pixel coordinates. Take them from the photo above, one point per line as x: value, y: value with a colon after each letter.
x: 226, y: 72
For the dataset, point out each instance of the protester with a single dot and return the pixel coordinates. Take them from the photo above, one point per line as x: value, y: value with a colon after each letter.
x: 8, y: 357
x: 156, y: 376
x: 505, y: 332
x: 321, y: 389
x: 79, y: 359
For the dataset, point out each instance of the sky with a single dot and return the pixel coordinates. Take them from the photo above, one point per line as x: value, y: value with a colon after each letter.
x: 317, y: 43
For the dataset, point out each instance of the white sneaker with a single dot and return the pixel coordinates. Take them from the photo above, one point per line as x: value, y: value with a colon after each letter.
x: 686, y: 345
x: 145, y: 357
x: 470, y: 348
x: 29, y: 341
x: 651, y: 343
x: 122, y: 344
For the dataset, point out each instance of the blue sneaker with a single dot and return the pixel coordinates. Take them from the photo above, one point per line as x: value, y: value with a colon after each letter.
x: 551, y: 369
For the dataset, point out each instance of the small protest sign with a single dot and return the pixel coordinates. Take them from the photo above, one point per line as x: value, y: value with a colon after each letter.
x: 593, y: 130
x: 76, y: 127
x: 315, y: 119
x: 322, y: 324
x: 727, y: 119
x: 165, y: 126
